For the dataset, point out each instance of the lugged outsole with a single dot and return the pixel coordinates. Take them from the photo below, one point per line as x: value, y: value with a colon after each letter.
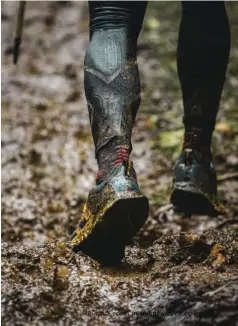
x: 106, y: 242
x: 189, y: 202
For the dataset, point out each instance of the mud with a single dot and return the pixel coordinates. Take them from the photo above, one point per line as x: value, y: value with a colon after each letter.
x: 179, y: 270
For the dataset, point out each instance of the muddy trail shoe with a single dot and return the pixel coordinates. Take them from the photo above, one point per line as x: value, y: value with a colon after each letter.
x: 115, y: 210
x: 194, y: 189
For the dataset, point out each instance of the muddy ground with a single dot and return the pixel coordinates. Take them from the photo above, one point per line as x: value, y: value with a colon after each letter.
x: 179, y: 270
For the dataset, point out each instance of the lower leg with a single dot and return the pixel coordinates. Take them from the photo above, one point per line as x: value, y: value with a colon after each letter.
x: 115, y: 209
x: 112, y: 84
x: 202, y: 58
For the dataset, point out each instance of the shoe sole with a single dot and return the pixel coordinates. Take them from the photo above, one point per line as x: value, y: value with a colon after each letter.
x: 190, y: 201
x: 106, y: 242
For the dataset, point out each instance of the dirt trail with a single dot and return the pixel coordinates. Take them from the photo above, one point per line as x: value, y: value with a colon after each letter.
x: 178, y: 270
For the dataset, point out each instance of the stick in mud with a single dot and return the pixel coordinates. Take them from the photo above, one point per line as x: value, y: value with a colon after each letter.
x: 18, y: 31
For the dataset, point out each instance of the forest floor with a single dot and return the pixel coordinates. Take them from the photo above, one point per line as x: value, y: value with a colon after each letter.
x: 179, y: 270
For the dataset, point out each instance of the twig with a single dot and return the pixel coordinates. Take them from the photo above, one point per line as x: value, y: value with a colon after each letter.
x: 227, y: 176
x: 211, y: 293
x: 229, y: 221
x: 163, y: 209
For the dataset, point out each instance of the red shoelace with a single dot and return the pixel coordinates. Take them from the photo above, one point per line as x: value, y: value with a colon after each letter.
x: 122, y: 154
x: 193, y: 140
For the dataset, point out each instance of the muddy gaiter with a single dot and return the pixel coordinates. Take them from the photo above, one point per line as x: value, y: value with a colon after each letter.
x: 112, y: 84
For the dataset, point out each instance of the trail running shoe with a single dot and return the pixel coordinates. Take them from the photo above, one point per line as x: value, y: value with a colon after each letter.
x: 115, y: 210
x: 194, y: 189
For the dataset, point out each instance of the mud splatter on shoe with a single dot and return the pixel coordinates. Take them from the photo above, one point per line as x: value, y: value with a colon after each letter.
x: 115, y: 210
x: 194, y: 189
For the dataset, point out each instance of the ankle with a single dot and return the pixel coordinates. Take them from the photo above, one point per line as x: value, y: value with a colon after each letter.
x: 109, y: 157
x: 198, y: 139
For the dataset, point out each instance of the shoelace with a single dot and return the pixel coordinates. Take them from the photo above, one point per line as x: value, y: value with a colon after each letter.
x: 122, y: 156
x: 193, y: 141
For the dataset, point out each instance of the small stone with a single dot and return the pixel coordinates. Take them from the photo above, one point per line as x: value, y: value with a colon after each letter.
x: 70, y: 71
x: 34, y: 157
x: 41, y: 106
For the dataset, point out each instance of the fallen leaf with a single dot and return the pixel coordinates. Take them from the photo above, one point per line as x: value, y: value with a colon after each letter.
x: 223, y: 127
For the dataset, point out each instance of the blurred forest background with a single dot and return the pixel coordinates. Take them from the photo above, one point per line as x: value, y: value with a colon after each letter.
x: 48, y: 167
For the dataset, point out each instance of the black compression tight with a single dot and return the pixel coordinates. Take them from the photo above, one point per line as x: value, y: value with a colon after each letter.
x: 112, y: 84
x: 202, y: 57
